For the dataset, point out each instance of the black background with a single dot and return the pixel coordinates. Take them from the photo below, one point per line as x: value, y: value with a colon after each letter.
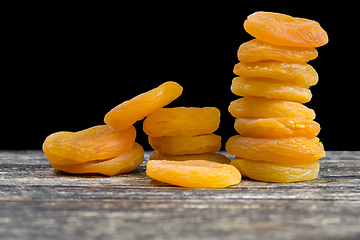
x: 68, y: 65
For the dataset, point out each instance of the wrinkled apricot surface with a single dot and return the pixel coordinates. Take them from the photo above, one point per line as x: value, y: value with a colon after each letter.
x: 187, y: 121
x: 277, y: 172
x: 277, y: 127
x: 213, y: 157
x: 95, y: 143
x: 193, y: 173
x: 284, y: 150
x: 301, y: 74
x: 127, y: 113
x: 256, y: 107
x: 256, y: 50
x: 270, y: 88
x: 124, y: 163
x: 181, y: 145
x: 284, y: 30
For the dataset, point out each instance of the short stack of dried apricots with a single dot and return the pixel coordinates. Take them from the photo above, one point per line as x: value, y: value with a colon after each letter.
x: 277, y: 141
x: 185, y: 148
x: 185, y: 133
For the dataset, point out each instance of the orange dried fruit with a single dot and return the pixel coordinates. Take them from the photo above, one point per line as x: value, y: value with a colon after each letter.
x: 277, y: 172
x: 284, y: 150
x: 300, y: 74
x: 257, y: 107
x: 187, y: 121
x: 181, y: 145
x: 277, y: 127
x: 127, y: 113
x: 193, y: 173
x: 123, y: 163
x: 270, y: 88
x: 213, y: 157
x: 95, y: 143
x: 285, y: 30
x: 256, y: 50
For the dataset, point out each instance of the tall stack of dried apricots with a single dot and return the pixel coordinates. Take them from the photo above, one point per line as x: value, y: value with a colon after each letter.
x: 108, y: 149
x: 277, y: 141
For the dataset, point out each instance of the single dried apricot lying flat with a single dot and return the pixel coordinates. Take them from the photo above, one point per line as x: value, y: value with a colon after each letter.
x: 213, y: 157
x: 127, y: 113
x: 270, y: 88
x: 186, y: 121
x: 124, y: 163
x: 277, y: 127
x: 277, y: 172
x: 257, y: 107
x: 284, y: 30
x: 256, y: 50
x: 284, y: 150
x: 301, y: 74
x: 193, y: 173
x: 95, y: 143
x: 181, y: 145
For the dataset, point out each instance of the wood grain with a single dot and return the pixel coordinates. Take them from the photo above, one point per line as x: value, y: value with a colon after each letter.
x: 38, y: 202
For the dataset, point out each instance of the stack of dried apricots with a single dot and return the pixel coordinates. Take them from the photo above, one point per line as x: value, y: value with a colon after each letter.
x: 277, y: 141
x: 185, y: 133
x: 185, y: 148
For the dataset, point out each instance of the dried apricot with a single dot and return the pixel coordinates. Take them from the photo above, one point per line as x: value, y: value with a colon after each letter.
x: 124, y: 163
x: 270, y: 88
x: 213, y: 157
x: 284, y: 150
x: 193, y: 173
x: 277, y: 172
x: 181, y: 145
x: 127, y: 113
x: 277, y: 127
x: 257, y: 107
x: 95, y: 143
x: 284, y: 30
x: 256, y: 50
x: 301, y: 74
x: 186, y: 121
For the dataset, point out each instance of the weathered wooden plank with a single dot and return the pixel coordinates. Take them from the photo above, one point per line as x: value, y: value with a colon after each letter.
x: 38, y: 202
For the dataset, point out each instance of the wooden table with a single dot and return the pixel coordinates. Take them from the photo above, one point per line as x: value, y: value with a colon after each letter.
x: 38, y: 202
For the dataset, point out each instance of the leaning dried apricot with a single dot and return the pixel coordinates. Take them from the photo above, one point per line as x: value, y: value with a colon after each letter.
x: 256, y: 107
x: 301, y: 74
x: 270, y: 88
x: 284, y: 30
x: 193, y: 173
x: 284, y: 150
x: 277, y: 127
x: 256, y: 50
x: 127, y: 113
x: 277, y: 172
x: 124, y: 163
x: 213, y: 157
x: 181, y: 145
x: 95, y: 143
x: 186, y: 121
